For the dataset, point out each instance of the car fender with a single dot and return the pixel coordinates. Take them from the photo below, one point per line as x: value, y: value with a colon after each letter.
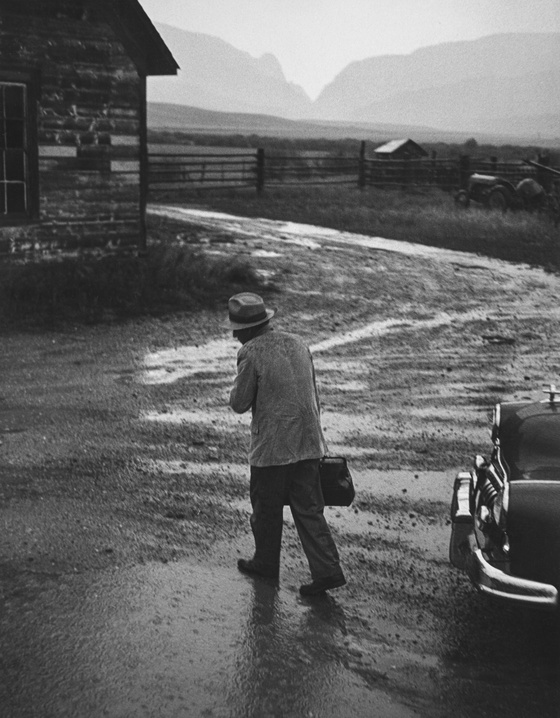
x: 533, y: 528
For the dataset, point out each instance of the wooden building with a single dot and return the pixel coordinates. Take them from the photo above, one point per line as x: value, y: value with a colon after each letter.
x: 400, y: 150
x: 73, y: 134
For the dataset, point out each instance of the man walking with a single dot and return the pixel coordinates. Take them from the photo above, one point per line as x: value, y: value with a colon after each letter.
x: 276, y: 380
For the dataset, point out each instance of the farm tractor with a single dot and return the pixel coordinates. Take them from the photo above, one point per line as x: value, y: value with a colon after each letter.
x: 489, y: 190
x: 500, y: 194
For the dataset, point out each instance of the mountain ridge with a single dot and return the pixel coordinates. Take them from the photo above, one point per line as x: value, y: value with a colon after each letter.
x: 468, y: 86
x: 377, y: 78
x: 498, y: 99
x: 217, y: 76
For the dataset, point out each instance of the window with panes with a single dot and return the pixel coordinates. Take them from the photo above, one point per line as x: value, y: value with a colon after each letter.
x: 14, y: 180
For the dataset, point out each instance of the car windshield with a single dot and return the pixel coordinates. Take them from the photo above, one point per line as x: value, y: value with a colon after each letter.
x: 532, y: 448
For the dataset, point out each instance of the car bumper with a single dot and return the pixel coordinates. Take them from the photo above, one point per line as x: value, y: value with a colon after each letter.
x: 465, y: 554
x: 494, y: 582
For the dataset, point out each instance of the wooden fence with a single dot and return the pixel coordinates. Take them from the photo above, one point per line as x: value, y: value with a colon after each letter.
x: 172, y: 173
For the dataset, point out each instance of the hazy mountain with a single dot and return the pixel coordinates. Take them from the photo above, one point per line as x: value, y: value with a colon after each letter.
x: 499, y: 85
x: 215, y: 75
x: 472, y: 104
x: 494, y: 84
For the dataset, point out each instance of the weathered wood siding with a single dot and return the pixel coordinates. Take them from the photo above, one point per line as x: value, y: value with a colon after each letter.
x: 89, y: 105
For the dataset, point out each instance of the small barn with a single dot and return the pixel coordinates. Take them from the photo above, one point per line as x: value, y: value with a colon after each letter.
x: 73, y: 129
x: 400, y: 150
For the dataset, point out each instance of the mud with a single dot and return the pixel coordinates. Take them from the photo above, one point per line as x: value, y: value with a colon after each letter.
x: 124, y: 497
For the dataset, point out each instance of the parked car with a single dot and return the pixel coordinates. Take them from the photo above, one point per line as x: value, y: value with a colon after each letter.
x: 505, y: 512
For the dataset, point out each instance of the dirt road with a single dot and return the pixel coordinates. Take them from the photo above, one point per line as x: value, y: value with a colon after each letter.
x: 124, y: 506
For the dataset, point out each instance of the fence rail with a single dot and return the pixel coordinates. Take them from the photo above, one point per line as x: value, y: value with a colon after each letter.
x: 179, y: 172
x: 184, y: 171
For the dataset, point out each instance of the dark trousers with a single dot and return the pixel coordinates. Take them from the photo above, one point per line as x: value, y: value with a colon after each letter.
x: 299, y: 485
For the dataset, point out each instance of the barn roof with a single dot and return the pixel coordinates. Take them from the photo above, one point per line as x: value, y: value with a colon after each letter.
x: 141, y: 39
x: 390, y: 147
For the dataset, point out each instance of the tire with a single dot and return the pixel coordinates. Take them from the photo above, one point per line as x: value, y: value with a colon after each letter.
x: 462, y: 198
x: 498, y: 199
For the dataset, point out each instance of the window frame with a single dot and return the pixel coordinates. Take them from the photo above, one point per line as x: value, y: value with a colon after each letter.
x: 30, y: 79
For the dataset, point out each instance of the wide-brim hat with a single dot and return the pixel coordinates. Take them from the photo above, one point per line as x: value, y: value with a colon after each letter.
x: 248, y: 310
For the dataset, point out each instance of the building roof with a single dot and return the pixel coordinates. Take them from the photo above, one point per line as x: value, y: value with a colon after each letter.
x: 390, y: 147
x: 141, y: 39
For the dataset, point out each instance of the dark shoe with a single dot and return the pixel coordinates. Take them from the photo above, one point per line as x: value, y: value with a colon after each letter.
x: 252, y: 569
x: 322, y: 584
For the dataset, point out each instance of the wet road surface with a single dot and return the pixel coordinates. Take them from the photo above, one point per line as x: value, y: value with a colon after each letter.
x: 184, y: 640
x: 124, y: 507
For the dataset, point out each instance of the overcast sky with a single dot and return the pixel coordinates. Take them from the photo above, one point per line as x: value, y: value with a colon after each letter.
x: 315, y: 39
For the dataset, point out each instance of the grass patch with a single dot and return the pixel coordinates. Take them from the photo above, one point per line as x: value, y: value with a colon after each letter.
x: 415, y: 215
x: 171, y: 277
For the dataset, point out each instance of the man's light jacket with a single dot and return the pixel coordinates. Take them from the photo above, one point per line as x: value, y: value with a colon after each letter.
x: 276, y: 379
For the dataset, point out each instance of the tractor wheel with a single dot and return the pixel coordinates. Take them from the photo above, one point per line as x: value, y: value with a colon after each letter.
x: 462, y: 198
x: 498, y: 199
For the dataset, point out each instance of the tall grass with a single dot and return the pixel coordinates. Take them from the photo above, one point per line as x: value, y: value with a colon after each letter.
x: 170, y: 277
x: 425, y: 216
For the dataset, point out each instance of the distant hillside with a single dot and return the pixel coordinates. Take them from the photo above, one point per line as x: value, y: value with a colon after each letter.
x: 466, y: 86
x: 180, y: 118
x: 215, y: 75
x: 499, y: 86
x: 496, y: 106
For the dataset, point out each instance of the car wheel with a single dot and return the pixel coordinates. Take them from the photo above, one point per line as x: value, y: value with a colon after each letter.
x: 462, y: 198
x: 498, y: 199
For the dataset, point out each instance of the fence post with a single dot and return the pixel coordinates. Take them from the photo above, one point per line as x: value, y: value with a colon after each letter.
x: 362, y: 166
x: 494, y: 165
x: 260, y: 170
x: 464, y: 171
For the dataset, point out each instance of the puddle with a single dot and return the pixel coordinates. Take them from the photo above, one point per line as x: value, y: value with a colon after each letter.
x: 170, y: 365
x: 265, y: 273
x: 336, y: 425
x: 379, y: 328
x: 225, y: 418
x: 219, y: 355
x: 347, y: 434
x: 180, y: 640
x: 345, y: 386
x: 310, y: 236
x: 340, y: 429
x: 265, y: 253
